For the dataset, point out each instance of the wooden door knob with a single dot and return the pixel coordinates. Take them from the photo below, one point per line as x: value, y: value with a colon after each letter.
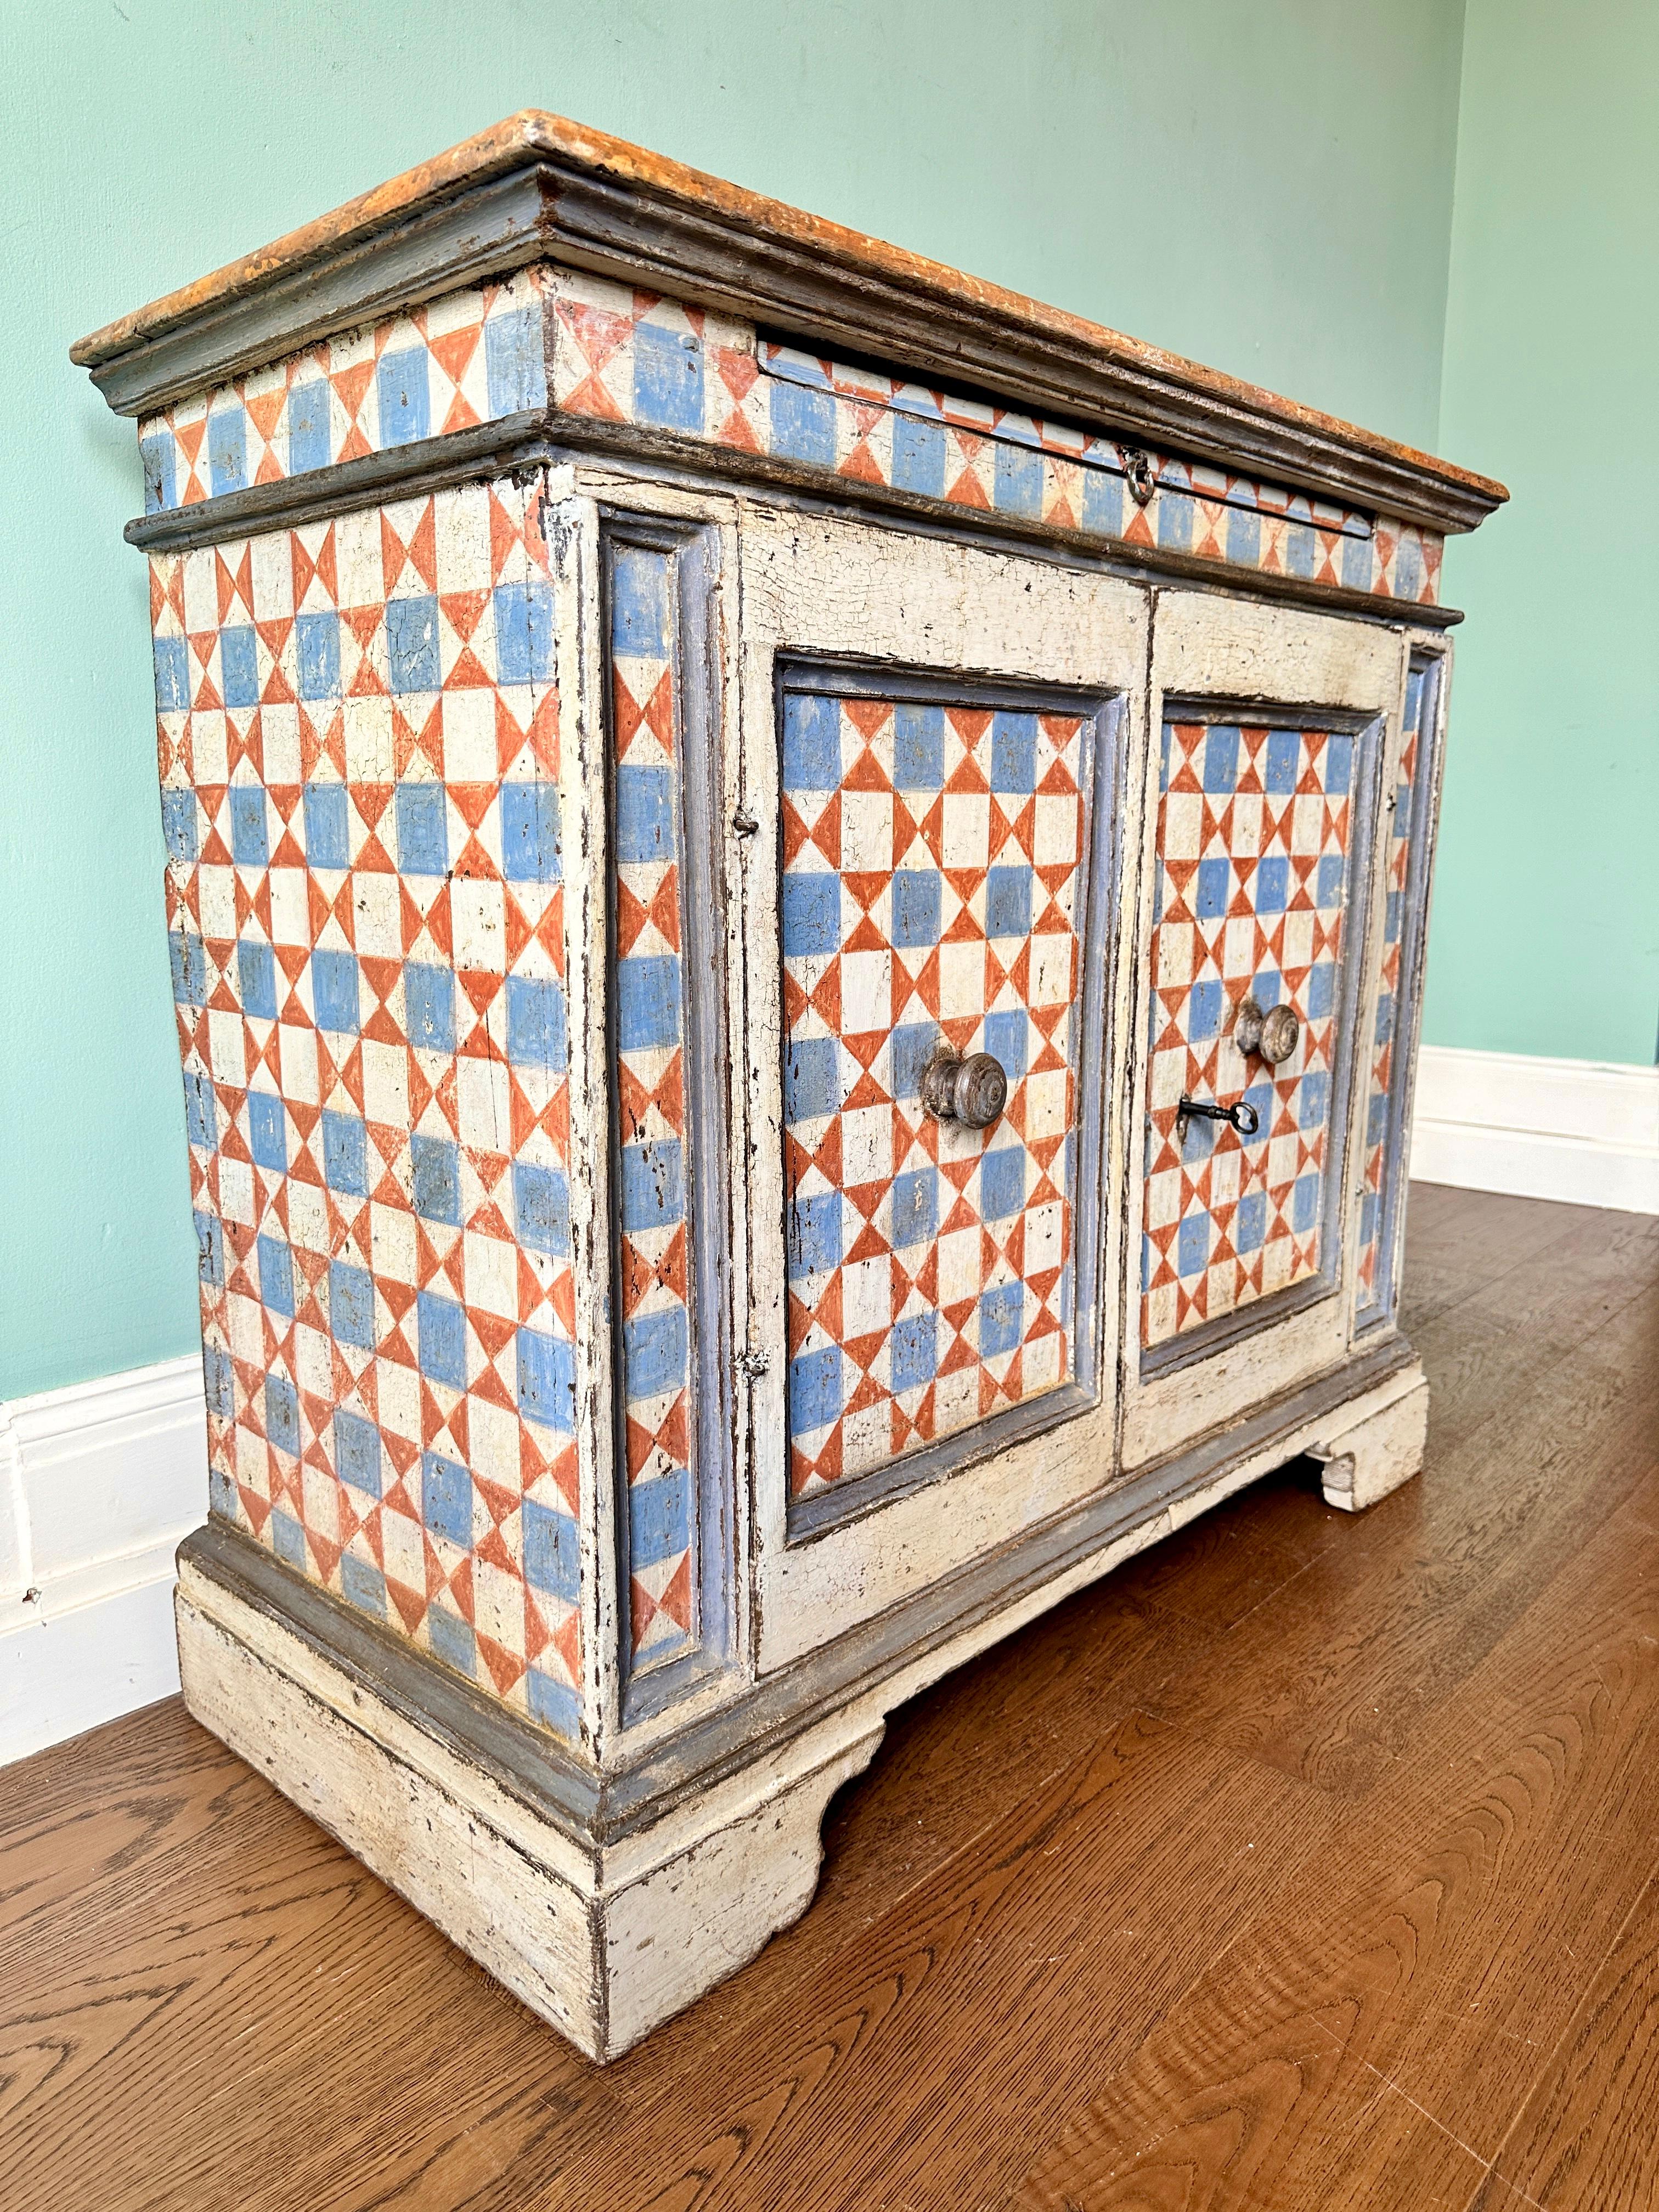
x: 972, y: 1091
x: 1272, y: 1036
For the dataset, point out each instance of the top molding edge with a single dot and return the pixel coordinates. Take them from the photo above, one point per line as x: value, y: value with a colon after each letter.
x: 537, y: 186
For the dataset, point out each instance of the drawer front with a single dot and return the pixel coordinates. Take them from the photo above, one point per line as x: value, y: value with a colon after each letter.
x: 1256, y: 860
x: 934, y: 895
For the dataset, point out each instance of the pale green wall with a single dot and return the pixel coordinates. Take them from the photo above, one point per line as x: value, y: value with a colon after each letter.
x: 1546, y: 935
x: 1267, y: 186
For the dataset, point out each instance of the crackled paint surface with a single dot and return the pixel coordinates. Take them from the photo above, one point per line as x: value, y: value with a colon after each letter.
x: 1253, y: 844
x: 932, y: 888
x: 358, y: 730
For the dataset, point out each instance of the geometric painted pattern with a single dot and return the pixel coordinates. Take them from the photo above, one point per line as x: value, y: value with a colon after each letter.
x: 1253, y: 841
x: 358, y: 731
x: 1385, y: 1037
x: 650, y: 1104
x: 607, y: 350
x: 932, y: 857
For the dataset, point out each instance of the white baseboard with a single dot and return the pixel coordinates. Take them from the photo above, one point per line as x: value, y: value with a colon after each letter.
x: 99, y: 1483
x: 1579, y: 1130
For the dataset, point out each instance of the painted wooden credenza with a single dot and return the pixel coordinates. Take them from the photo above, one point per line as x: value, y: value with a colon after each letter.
x: 796, y: 892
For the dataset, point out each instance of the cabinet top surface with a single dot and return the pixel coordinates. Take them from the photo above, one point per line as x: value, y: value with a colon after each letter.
x: 540, y: 185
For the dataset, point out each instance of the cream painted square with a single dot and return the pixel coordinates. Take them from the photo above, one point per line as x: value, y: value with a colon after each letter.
x: 1183, y: 825
x: 385, y: 1084
x: 201, y: 587
x: 866, y: 1297
x: 956, y: 1400
x: 398, y: 1399
x: 959, y: 1269
x: 236, y: 1190
x: 297, y: 1051
x: 377, y: 913
x: 369, y: 753
x: 1244, y: 840
x: 492, y: 1275
x: 1045, y: 1105
x: 1040, y: 1363
x: 358, y: 558
x: 1164, y: 1199
x: 866, y: 831
x: 498, y: 1605
x: 271, y: 565
x: 1045, y: 1236
x: 1168, y: 1077
x: 478, y: 917
x: 1055, y: 838
x: 247, y: 1330
x: 484, y: 1104
x: 253, y: 1466
x: 462, y: 540
x: 227, y: 1043
x: 290, y: 917
x: 279, y: 736
x: 493, y: 1433
x: 402, y: 1550
x: 209, y: 749
x: 393, y: 1237
x: 216, y: 889
x: 313, y: 1362
x: 307, y: 1217
x: 866, y: 1144
x: 966, y: 841
x: 1051, y: 969
x: 469, y: 755
x: 866, y: 992
x: 1282, y: 1154
x: 1238, y: 947
x: 1308, y: 824
x: 960, y: 978
x: 1176, y: 950
x: 866, y: 1437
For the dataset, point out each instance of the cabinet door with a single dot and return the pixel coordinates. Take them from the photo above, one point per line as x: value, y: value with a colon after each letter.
x: 1260, y: 866
x: 933, y: 740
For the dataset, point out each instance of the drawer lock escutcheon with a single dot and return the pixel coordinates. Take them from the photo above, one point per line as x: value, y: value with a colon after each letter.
x: 972, y: 1091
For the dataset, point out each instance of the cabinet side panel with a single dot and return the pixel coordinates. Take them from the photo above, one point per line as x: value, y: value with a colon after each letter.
x: 358, y: 728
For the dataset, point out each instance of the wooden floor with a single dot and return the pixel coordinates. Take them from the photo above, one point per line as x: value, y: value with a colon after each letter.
x: 1306, y: 1861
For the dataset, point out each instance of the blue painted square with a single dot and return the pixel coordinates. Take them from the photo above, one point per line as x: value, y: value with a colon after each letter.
x: 308, y: 441
x: 659, y: 1518
x: 1408, y: 570
x: 1339, y: 765
x: 811, y: 741
x: 250, y: 834
x: 1017, y: 485
x: 1192, y: 1245
x: 667, y: 377
x: 171, y: 658
x: 547, y: 1380
x: 1214, y: 892
x: 1261, y: 1096
x: 351, y: 1304
x: 652, y: 1185
x: 328, y: 826
x: 452, y: 1641
x: 178, y: 825
x: 357, y: 1452
x: 812, y: 1078
x: 552, y: 1552
x: 1221, y: 759
x: 422, y: 829
x: 918, y: 747
x: 918, y: 456
x: 222, y: 1494
x: 345, y: 1154
x: 187, y: 958
x: 446, y: 1498
x: 654, y: 1354
x: 1271, y: 884
x: 1301, y: 550
x: 227, y: 447
x: 217, y: 1381
x: 814, y: 1235
x: 411, y: 642
x: 1304, y: 1203
x: 1008, y: 902
x: 281, y: 1413
x: 1392, y: 911
x: 639, y: 604
x: 267, y: 1125
x: 515, y: 371
x: 1284, y: 758
x: 429, y: 1007
x: 917, y: 895
x: 276, y: 1276
x: 1102, y: 503
x: 1002, y: 1182
x: 915, y: 1208
x: 1199, y: 1142
x: 435, y: 1174
x: 1007, y: 1038
x: 1321, y: 990
x: 645, y: 813
x: 288, y: 1538
x: 1385, y: 1015
x: 815, y: 1390
x: 1367, y: 1213
x: 160, y: 459
x: 1175, y: 515
x: 913, y: 1352
x: 201, y: 1115
x: 1377, y: 1117
x: 551, y: 1702
x: 441, y: 1333
x: 803, y: 424
x: 536, y: 1030
x: 1313, y: 1099
x: 541, y: 1208
x: 402, y: 387
x: 210, y: 1249
x: 362, y: 1584
x: 1001, y: 1318
x: 1357, y: 563
x: 1013, y: 752
x: 647, y: 1003
x: 524, y: 632
x: 810, y: 913
x: 1250, y: 1222
x: 913, y: 1046
x: 239, y: 666
x: 317, y: 646
x: 334, y: 989
x: 256, y: 974
x: 1243, y: 537
x: 530, y: 833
